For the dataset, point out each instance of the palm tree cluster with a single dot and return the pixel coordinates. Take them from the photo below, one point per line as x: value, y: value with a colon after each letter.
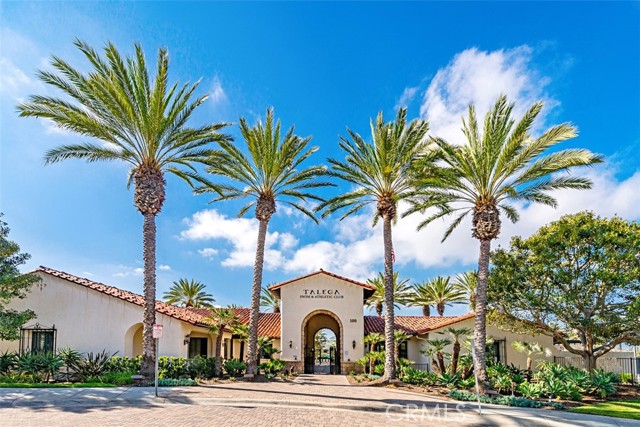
x: 142, y: 120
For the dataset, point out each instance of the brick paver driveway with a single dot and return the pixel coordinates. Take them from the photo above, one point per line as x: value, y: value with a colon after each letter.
x: 309, y: 401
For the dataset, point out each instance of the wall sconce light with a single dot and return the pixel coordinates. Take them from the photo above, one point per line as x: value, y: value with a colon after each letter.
x: 290, y: 344
x: 187, y: 339
x: 354, y: 344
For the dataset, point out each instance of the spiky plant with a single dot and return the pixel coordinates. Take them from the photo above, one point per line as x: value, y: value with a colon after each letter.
x: 219, y: 319
x: 381, y: 173
x: 401, y: 292
x: 269, y: 300
x: 499, y: 164
x: 188, y: 293
x: 268, y: 174
x: 131, y: 118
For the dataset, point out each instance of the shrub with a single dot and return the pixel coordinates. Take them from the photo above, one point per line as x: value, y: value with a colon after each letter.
x: 502, y: 400
x: 554, y: 387
x: 173, y: 382
x: 378, y: 370
x: 273, y: 366
x: 201, y: 367
x: 530, y: 390
x: 414, y: 376
x: 125, y: 364
x: 117, y: 378
x: 501, y: 382
x: 91, y: 365
x: 173, y: 367
x: 8, y: 361
x: 602, y: 383
x: 448, y: 380
x: 467, y: 383
x: 625, y: 378
x: 39, y: 367
x: 234, y: 367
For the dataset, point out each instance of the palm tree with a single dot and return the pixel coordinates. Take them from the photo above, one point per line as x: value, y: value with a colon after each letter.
x: 269, y: 300
x: 438, y: 291
x: 269, y: 174
x: 456, y: 334
x: 381, y: 173
x: 500, y: 164
x: 242, y: 332
x: 137, y: 121
x: 435, y: 348
x: 467, y: 282
x: 219, y: 319
x: 400, y: 292
x: 530, y: 349
x: 372, y: 339
x: 188, y: 293
x: 399, y: 337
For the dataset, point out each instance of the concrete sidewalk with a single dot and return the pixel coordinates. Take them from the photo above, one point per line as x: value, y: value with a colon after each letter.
x: 308, y: 401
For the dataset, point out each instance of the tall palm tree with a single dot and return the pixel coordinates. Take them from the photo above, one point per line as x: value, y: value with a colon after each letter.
x: 372, y: 339
x: 467, y: 282
x: 139, y: 121
x: 381, y: 173
x: 188, y: 293
x: 269, y: 174
x: 269, y: 300
x: 401, y: 292
x: 219, y: 319
x: 499, y: 164
x: 438, y: 291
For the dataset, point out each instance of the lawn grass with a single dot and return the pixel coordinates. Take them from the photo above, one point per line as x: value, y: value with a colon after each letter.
x: 620, y: 409
x: 55, y: 385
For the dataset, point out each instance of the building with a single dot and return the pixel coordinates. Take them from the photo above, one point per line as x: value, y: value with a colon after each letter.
x: 90, y: 317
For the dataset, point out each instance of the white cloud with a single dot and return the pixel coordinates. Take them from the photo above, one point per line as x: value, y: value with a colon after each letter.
x: 217, y: 94
x: 208, y: 252
x: 479, y: 77
x: 242, y: 234
x: 13, y: 80
x: 407, y: 96
x: 126, y: 271
x: 164, y: 267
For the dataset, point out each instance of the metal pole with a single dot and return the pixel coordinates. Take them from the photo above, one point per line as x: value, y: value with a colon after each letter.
x: 156, y: 369
x: 475, y: 374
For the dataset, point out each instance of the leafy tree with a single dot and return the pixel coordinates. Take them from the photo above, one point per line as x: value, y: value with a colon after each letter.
x: 269, y: 175
x: 189, y: 293
x: 372, y: 339
x: 456, y: 334
x: 13, y: 285
x: 401, y: 292
x: 499, y: 164
x: 467, y: 282
x: 138, y: 121
x: 438, y: 291
x: 580, y: 274
x: 269, y: 300
x: 380, y: 173
x: 219, y: 319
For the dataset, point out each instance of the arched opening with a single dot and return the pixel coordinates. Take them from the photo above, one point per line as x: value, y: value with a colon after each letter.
x: 133, y: 341
x: 322, y: 339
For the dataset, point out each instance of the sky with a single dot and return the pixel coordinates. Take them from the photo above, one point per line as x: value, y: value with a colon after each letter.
x: 324, y: 67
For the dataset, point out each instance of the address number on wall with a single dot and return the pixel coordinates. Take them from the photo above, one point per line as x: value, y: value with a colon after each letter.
x: 353, y: 320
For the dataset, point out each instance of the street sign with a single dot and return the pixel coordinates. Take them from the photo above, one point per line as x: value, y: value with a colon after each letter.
x: 157, y: 331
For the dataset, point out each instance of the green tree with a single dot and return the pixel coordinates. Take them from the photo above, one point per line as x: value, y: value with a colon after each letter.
x: 456, y: 334
x: 138, y: 121
x: 500, y: 164
x: 580, y: 274
x: 530, y: 349
x: 269, y: 300
x: 435, y: 347
x: 219, y: 319
x: 13, y: 285
x: 381, y: 173
x: 467, y: 282
x: 242, y: 332
x: 188, y: 293
x: 268, y: 175
x: 399, y: 337
x: 401, y: 292
x: 439, y: 292
x: 372, y: 339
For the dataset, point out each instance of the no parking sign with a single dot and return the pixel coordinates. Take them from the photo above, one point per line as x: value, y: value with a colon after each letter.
x: 157, y: 331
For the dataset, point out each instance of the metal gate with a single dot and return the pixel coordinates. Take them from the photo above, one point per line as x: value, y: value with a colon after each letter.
x: 309, y: 360
x: 334, y: 360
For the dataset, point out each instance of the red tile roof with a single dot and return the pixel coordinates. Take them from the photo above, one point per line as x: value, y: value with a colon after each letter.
x: 161, y: 307
x: 413, y: 325
x: 268, y: 323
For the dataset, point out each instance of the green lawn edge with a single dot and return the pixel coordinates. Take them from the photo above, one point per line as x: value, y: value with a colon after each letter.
x: 629, y: 409
x: 47, y: 385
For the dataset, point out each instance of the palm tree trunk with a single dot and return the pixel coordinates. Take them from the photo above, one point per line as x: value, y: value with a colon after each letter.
x: 441, y: 365
x: 149, y: 319
x: 454, y: 357
x: 252, y: 352
x: 379, y: 308
x: 480, y: 329
x: 218, y: 365
x: 440, y: 308
x: 389, y: 363
x: 426, y: 310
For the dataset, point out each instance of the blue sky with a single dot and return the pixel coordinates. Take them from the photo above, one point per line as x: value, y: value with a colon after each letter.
x: 323, y: 66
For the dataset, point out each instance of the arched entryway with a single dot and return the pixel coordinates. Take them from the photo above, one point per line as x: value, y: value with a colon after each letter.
x: 133, y: 341
x: 325, y: 358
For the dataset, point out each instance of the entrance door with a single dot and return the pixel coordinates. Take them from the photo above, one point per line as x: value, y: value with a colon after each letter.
x: 309, y: 360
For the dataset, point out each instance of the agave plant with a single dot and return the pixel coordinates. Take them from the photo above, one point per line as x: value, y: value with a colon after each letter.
x: 92, y: 365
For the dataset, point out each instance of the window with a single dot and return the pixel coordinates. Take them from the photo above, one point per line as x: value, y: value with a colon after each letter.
x: 403, y: 350
x: 38, y: 339
x: 497, y: 351
x: 198, y: 347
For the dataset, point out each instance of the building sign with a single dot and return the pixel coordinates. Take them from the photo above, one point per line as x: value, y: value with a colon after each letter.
x: 157, y: 331
x: 321, y: 293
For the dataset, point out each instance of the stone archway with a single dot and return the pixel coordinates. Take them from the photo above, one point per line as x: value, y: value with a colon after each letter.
x: 311, y: 324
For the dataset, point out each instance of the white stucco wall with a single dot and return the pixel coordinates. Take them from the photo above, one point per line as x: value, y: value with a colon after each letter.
x: 317, y: 294
x: 89, y: 321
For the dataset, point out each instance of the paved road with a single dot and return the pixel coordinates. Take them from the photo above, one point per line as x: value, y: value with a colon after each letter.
x: 309, y: 401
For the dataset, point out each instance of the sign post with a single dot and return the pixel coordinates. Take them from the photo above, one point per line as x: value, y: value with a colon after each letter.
x: 475, y: 373
x: 157, y: 334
